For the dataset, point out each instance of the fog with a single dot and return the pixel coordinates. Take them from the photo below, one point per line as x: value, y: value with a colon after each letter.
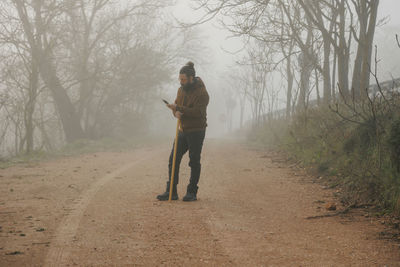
x: 95, y: 71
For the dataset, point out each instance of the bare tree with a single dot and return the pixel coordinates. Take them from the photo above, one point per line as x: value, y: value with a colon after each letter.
x: 36, y: 17
x: 94, y: 31
x: 261, y: 93
x: 239, y: 78
x: 20, y: 73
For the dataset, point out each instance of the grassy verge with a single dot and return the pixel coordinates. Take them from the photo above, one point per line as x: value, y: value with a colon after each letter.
x: 357, y: 152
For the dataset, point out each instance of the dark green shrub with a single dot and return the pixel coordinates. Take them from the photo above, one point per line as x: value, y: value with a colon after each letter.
x: 360, y: 153
x: 394, y: 144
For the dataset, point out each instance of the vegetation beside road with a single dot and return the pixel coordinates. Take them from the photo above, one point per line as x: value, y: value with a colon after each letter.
x: 354, y: 147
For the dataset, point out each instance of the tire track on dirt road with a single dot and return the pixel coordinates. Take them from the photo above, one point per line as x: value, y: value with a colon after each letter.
x: 124, y: 224
x: 65, y: 234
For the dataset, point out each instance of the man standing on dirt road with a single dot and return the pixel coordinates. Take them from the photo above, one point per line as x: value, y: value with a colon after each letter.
x: 190, y: 108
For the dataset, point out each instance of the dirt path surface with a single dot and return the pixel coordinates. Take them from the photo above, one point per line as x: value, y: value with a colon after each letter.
x: 100, y: 210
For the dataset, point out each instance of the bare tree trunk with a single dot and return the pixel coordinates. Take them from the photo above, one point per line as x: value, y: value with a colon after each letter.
x: 343, y: 53
x: 242, y: 102
x: 367, y: 48
x: 306, y: 64
x: 326, y: 72
x: 317, y: 86
x: 30, y: 107
x: 290, y: 78
x: 356, y: 82
x: 334, y: 67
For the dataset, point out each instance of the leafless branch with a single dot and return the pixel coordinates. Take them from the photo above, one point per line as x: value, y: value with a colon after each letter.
x: 397, y: 39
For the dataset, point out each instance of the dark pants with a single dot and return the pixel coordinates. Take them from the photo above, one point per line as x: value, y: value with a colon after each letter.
x: 192, y: 141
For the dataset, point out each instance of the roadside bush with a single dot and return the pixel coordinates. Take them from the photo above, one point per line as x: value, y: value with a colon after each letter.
x: 394, y: 144
x: 357, y: 147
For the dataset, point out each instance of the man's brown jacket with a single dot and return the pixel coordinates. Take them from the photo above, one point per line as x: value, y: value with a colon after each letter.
x: 193, y: 104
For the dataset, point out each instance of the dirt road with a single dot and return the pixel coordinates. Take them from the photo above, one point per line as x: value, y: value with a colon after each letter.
x: 100, y: 210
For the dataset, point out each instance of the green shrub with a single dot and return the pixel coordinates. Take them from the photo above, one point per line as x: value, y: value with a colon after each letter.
x: 361, y: 154
x: 394, y: 144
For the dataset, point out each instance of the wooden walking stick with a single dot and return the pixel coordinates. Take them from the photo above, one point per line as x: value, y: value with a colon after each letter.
x: 171, y: 183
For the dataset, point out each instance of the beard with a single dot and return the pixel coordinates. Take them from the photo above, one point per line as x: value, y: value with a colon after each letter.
x: 188, y: 86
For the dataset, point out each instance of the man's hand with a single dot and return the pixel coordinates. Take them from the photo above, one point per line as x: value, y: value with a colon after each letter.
x: 178, y: 115
x: 172, y: 107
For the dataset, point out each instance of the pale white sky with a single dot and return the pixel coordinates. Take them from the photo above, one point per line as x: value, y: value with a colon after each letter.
x: 390, y: 8
x: 218, y: 39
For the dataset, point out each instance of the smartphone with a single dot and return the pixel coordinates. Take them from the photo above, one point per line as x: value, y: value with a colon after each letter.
x: 165, y: 101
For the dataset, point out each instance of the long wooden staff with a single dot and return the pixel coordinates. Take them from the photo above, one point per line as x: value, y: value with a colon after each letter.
x: 173, y: 161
